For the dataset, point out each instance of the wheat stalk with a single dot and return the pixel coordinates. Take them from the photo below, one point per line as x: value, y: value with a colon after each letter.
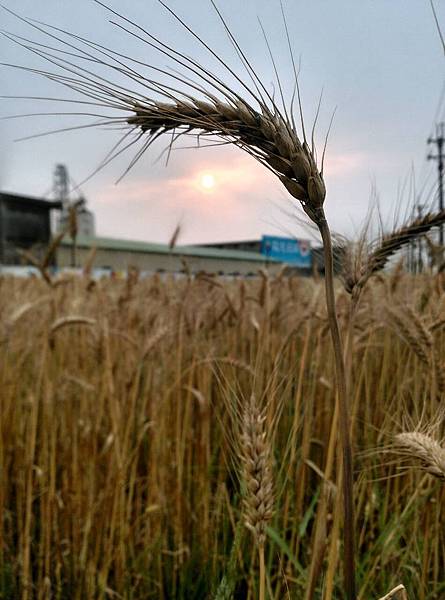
x: 43, y: 264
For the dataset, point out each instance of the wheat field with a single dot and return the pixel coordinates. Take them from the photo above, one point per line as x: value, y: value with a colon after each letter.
x: 118, y: 453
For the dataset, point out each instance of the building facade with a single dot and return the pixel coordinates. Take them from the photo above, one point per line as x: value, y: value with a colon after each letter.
x: 115, y: 255
x: 24, y: 225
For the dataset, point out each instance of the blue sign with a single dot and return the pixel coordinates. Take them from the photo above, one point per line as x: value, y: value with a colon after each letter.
x: 296, y: 253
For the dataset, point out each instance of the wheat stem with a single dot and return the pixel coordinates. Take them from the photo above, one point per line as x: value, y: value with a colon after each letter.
x: 262, y: 595
x: 349, y: 525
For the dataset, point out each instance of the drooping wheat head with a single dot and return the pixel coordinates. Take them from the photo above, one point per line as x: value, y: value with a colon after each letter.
x: 364, y: 260
x: 266, y: 135
x: 423, y: 448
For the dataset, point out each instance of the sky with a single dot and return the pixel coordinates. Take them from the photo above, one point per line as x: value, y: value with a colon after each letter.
x: 380, y: 66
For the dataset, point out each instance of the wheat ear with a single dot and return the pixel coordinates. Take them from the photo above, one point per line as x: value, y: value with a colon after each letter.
x: 256, y: 471
x: 410, y: 334
x: 266, y: 135
x: 389, y: 244
x: 423, y: 448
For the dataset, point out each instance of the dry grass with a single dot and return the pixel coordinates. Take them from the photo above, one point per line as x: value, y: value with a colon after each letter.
x: 115, y: 463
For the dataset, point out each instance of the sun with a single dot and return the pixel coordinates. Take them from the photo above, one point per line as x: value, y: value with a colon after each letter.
x: 207, y: 181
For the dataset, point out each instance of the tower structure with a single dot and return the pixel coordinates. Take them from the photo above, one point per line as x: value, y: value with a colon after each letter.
x: 85, y: 222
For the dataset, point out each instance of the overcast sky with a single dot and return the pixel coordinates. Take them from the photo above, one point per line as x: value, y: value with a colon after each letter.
x: 379, y: 62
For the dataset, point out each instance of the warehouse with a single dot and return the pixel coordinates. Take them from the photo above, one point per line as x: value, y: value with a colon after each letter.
x: 116, y: 255
x: 25, y: 225
x: 297, y: 254
x: 301, y: 256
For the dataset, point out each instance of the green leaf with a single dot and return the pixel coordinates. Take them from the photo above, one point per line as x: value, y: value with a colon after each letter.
x: 284, y: 547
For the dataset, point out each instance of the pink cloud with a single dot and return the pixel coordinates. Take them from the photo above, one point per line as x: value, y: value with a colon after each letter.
x: 246, y: 201
x: 150, y: 209
x: 337, y: 165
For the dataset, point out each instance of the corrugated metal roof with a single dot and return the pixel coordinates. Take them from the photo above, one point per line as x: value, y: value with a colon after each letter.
x: 152, y: 248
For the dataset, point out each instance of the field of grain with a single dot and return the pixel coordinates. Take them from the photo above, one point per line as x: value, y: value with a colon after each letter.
x: 120, y: 413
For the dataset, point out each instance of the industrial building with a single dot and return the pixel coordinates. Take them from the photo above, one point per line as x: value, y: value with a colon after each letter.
x: 117, y: 256
x: 301, y: 257
x: 297, y: 254
x: 25, y: 224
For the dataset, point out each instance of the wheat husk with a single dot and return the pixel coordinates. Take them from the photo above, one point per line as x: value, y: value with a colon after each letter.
x: 423, y: 448
x: 398, y: 593
x: 256, y: 471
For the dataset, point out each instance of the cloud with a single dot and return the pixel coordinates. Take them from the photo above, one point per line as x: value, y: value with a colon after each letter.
x: 241, y: 203
x: 341, y: 164
x: 246, y: 201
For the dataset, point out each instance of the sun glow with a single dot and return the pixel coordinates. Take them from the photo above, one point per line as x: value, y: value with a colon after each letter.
x: 207, y: 181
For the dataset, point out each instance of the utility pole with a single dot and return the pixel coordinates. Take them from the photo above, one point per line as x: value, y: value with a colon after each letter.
x: 439, y: 140
x: 419, y: 268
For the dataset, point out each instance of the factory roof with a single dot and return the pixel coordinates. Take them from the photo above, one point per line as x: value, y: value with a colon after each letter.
x: 152, y: 248
x: 227, y: 242
x: 29, y: 200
